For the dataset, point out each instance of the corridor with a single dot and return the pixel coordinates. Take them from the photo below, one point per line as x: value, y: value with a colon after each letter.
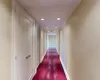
x: 49, y: 40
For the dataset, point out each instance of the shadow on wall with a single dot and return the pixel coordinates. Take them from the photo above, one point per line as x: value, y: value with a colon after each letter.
x: 85, y: 7
x: 5, y: 39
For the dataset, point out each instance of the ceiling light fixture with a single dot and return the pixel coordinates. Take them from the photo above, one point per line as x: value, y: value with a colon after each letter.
x: 42, y: 19
x: 58, y: 18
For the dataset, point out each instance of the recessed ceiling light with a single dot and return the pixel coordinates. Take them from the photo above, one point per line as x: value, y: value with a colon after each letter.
x: 55, y: 27
x: 42, y: 19
x: 48, y: 31
x: 58, y: 18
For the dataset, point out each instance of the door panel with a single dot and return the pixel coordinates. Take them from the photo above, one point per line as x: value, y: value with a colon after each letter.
x: 23, y: 45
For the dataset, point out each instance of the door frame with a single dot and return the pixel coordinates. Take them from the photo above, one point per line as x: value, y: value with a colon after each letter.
x: 13, y: 38
x: 13, y: 25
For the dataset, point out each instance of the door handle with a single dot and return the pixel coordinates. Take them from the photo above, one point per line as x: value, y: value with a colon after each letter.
x: 28, y: 56
x: 15, y: 57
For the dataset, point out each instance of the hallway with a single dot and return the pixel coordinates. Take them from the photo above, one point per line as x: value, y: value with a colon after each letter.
x: 33, y: 32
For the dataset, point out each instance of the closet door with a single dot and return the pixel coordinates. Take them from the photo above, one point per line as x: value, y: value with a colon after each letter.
x: 23, y: 45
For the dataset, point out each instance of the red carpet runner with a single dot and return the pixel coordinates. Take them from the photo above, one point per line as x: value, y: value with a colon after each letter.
x: 50, y: 68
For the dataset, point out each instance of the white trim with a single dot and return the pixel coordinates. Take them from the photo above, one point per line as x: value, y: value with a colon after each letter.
x: 67, y: 76
x: 12, y: 33
x: 30, y: 78
x: 33, y: 73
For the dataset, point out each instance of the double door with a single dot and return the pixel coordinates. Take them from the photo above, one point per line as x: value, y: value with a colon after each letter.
x: 23, y: 45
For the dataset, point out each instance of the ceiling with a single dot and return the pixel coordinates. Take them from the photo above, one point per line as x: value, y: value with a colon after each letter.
x: 50, y: 10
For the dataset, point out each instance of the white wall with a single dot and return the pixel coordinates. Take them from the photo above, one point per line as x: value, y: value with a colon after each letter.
x: 5, y: 39
x: 65, y: 48
x: 38, y: 37
x: 42, y: 43
x: 84, y: 35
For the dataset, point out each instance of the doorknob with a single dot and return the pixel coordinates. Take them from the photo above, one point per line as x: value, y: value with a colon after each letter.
x: 28, y: 56
x: 15, y: 57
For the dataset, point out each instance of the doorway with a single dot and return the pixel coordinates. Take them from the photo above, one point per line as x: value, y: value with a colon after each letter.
x: 52, y: 40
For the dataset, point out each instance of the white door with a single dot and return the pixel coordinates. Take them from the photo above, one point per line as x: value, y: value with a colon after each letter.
x: 30, y: 52
x: 23, y: 48
x: 21, y: 52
